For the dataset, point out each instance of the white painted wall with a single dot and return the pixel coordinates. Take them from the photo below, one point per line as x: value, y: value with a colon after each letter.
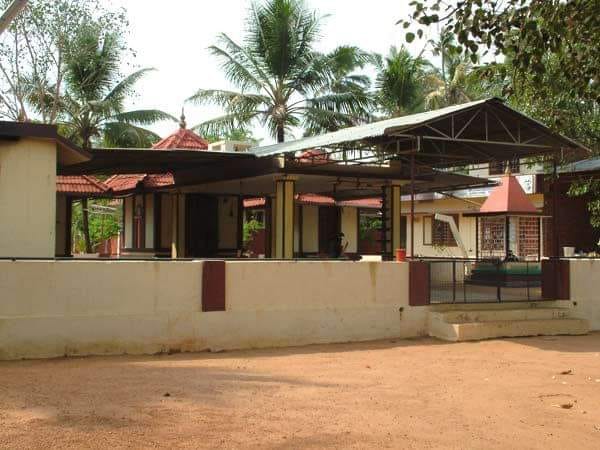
x: 585, y: 290
x: 27, y: 197
x: 112, y: 307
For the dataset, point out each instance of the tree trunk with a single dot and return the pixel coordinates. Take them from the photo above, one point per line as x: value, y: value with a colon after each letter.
x: 280, y: 133
x: 86, y: 225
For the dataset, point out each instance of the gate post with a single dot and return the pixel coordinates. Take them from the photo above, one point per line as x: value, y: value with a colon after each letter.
x: 556, y: 279
x: 419, y: 283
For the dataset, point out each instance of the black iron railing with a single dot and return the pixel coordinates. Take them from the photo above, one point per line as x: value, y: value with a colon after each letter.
x: 483, y: 281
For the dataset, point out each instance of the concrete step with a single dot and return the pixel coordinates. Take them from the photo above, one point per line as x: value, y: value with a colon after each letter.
x: 474, y: 331
x: 491, y: 315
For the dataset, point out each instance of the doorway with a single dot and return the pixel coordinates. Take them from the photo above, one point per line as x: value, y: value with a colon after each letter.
x: 201, y: 226
x: 329, y: 227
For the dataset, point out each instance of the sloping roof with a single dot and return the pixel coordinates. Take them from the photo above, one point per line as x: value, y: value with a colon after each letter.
x: 508, y: 198
x: 126, y: 183
x: 359, y: 132
x: 182, y: 139
x: 507, y: 133
x: 80, y: 185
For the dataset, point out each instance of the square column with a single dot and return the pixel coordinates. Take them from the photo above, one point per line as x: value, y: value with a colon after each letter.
x: 283, y: 226
x: 391, y: 220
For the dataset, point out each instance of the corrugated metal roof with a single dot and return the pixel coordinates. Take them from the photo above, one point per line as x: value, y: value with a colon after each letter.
x: 397, y: 125
x: 362, y: 131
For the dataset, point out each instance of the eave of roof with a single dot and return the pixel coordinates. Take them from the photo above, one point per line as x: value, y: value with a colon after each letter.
x: 68, y: 154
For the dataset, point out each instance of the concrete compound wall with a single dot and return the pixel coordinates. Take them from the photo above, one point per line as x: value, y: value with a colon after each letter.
x: 585, y: 290
x: 113, y: 307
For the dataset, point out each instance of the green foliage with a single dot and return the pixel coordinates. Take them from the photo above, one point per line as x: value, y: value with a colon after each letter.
x: 529, y: 31
x: 402, y: 82
x: 250, y: 228
x: 367, y: 225
x: 33, y: 49
x: 101, y: 226
x: 589, y: 187
x: 283, y: 82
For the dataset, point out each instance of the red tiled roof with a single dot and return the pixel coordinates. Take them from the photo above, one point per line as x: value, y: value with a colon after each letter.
x: 508, y: 198
x: 182, y: 139
x: 256, y: 202
x: 319, y: 200
x: 159, y: 180
x: 373, y: 203
x: 80, y: 184
x: 314, y: 156
x: 121, y: 183
x: 315, y: 199
x: 129, y: 182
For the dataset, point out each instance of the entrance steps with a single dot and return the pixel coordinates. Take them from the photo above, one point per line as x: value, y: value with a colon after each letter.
x: 476, y: 322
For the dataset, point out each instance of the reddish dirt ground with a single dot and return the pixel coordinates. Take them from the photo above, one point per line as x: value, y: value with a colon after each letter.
x: 519, y: 393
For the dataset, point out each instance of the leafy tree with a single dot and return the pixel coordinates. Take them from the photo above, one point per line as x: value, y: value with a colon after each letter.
x: 283, y: 82
x: 529, y: 31
x: 32, y: 52
x: 402, y: 82
x: 92, y: 107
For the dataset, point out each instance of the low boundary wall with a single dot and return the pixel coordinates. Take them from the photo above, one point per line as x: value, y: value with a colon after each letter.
x: 57, y: 308
x: 585, y: 290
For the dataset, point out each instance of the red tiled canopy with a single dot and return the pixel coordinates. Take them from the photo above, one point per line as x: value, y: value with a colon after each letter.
x: 508, y: 198
x: 183, y: 139
x: 80, y: 185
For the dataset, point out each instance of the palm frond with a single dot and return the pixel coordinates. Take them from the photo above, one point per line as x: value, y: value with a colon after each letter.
x: 143, y: 117
x: 242, y: 66
x: 225, y: 124
x: 125, y: 87
x: 122, y: 134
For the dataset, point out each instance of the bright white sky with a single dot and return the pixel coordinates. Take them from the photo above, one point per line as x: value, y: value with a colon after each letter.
x: 173, y: 36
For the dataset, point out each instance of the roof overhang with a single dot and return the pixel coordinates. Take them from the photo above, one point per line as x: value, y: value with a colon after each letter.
x: 67, y: 152
x: 122, y: 161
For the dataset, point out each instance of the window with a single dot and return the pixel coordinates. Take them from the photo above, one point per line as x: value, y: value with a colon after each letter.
x: 499, y: 167
x: 438, y: 233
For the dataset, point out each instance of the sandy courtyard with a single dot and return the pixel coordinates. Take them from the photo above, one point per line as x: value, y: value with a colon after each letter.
x: 406, y: 394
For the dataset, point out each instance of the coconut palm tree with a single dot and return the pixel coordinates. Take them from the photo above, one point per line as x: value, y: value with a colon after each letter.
x: 402, y: 82
x: 283, y: 82
x: 92, y: 108
x: 455, y: 81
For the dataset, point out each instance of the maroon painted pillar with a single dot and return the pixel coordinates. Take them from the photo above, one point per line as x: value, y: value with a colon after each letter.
x: 213, y: 286
x: 418, y: 283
